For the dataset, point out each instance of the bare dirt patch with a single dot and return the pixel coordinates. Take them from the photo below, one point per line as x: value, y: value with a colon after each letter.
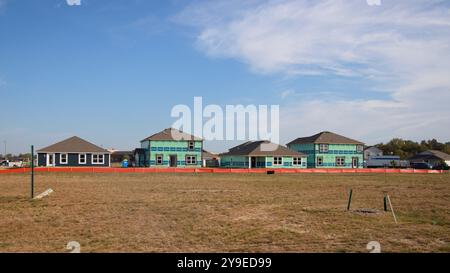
x: 224, y: 213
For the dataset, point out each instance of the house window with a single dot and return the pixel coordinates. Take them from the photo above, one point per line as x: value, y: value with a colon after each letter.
x: 191, y: 160
x: 191, y: 145
x: 277, y: 160
x: 63, y: 159
x: 98, y: 158
x: 319, y: 161
x: 297, y: 161
x: 323, y: 148
x: 159, y: 159
x: 359, y: 148
x: 340, y: 161
x: 82, y: 158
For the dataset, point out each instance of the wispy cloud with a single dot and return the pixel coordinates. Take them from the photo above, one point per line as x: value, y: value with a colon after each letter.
x: 2, y: 4
x: 402, y: 47
x: 287, y: 93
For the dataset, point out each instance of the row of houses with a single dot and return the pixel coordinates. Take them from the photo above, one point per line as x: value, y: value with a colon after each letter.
x: 173, y: 148
x: 323, y: 150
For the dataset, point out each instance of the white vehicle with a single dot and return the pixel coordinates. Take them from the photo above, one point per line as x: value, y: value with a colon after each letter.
x: 11, y: 164
x: 385, y: 161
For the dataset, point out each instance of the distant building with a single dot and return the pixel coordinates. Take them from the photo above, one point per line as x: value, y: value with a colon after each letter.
x: 432, y: 157
x: 330, y: 150
x: 210, y: 160
x: 385, y: 161
x: 170, y: 148
x: 119, y: 156
x: 372, y: 151
x: 73, y: 152
x: 253, y: 154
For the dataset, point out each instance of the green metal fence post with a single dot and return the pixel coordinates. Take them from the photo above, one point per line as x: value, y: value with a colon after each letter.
x: 32, y: 171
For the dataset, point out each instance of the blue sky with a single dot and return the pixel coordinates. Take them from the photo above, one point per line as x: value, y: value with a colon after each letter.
x: 111, y: 71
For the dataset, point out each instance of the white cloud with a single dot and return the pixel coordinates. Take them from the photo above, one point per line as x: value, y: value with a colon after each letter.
x: 402, y: 47
x: 287, y: 93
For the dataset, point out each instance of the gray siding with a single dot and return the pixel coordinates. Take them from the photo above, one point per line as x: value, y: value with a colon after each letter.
x: 72, y: 160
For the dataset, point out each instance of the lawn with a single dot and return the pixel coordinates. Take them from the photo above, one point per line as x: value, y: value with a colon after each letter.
x: 224, y: 213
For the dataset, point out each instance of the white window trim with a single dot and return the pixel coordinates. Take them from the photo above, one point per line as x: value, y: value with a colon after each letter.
x: 162, y: 159
x: 99, y: 156
x: 299, y: 161
x: 193, y: 145
x: 61, y: 161
x: 275, y: 161
x: 359, y: 148
x: 85, y: 159
x: 324, y: 150
x: 191, y: 160
x: 317, y: 161
x: 343, y: 161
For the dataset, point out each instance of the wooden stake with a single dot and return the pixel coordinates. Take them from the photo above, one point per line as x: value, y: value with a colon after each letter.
x: 392, y: 209
x: 350, y: 199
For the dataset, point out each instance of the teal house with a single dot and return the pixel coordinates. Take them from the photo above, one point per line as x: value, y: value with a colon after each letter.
x: 330, y: 150
x: 170, y: 148
x: 262, y: 154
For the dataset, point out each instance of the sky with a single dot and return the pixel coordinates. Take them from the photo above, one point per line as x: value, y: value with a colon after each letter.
x: 110, y: 71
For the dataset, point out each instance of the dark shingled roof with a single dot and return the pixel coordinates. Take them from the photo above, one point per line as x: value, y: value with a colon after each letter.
x: 325, y: 138
x: 73, y: 145
x: 431, y: 154
x: 253, y: 148
x: 171, y: 134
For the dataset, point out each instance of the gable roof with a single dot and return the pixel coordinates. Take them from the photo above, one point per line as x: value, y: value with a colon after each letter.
x: 253, y: 148
x: 73, y: 145
x: 431, y: 154
x: 373, y: 148
x: 325, y: 138
x: 172, y: 134
x: 208, y: 155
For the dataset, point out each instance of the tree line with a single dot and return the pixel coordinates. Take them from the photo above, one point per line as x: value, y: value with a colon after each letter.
x: 25, y: 157
x: 408, y: 148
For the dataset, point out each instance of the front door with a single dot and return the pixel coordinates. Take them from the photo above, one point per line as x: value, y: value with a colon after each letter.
x: 173, y: 161
x: 355, y: 162
x: 253, y: 162
x: 50, y: 160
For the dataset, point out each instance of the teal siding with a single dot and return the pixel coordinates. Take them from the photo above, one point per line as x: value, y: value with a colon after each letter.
x: 168, y: 148
x: 346, y: 151
x: 260, y: 162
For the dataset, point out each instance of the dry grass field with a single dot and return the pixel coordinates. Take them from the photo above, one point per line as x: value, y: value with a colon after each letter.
x: 224, y: 213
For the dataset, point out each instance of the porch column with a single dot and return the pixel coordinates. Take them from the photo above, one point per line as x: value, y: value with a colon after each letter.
x: 249, y: 162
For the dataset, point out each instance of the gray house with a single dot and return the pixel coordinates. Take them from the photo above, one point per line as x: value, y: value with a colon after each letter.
x: 432, y: 157
x: 73, y: 152
x: 372, y: 151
